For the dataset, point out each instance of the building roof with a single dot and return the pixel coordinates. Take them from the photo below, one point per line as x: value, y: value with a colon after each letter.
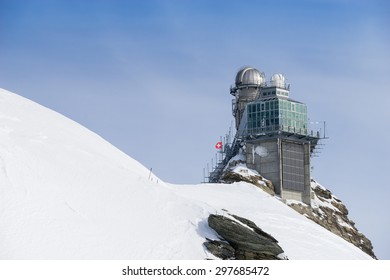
x: 249, y: 76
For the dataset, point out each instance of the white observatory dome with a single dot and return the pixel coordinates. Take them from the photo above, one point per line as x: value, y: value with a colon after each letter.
x: 249, y: 76
x: 278, y: 80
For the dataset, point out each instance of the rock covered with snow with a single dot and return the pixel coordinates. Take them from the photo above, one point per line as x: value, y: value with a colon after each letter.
x: 237, y: 171
x: 329, y: 211
x: 244, y: 240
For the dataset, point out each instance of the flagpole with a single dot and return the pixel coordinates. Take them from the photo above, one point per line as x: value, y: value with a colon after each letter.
x: 221, y: 151
x: 208, y: 172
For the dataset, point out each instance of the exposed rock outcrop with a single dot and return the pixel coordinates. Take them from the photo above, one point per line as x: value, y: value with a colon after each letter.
x: 237, y: 171
x: 242, y: 240
x: 220, y: 249
x: 329, y: 212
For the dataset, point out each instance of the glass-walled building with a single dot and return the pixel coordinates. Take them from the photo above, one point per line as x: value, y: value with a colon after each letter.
x: 272, y: 132
x: 276, y: 113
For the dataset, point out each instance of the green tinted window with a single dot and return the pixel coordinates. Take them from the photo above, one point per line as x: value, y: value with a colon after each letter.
x: 277, y: 114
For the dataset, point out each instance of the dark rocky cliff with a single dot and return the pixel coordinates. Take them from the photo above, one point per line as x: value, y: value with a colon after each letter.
x: 329, y: 212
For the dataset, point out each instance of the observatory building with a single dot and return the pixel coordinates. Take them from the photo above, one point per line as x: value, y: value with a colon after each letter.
x: 273, y: 131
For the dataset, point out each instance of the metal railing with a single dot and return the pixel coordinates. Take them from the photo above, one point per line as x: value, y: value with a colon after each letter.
x: 318, y: 133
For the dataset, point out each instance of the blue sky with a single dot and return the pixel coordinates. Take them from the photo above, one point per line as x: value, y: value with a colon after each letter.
x: 153, y: 78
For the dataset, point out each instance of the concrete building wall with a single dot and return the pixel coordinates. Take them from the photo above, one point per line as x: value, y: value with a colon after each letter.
x: 266, y: 156
x: 289, y: 194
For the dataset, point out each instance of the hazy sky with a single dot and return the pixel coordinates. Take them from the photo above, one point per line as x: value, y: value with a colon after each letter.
x: 153, y: 78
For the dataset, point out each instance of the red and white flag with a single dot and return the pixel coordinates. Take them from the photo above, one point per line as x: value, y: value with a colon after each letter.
x: 218, y: 146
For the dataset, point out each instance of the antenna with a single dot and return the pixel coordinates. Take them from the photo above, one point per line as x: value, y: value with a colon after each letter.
x: 324, y: 129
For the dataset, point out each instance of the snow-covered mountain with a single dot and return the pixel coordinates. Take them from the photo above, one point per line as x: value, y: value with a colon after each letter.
x: 66, y: 193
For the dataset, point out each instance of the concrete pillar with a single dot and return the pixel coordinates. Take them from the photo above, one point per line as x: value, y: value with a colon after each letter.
x: 306, y: 197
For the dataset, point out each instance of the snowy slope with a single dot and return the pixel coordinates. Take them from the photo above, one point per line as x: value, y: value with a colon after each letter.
x: 65, y: 193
